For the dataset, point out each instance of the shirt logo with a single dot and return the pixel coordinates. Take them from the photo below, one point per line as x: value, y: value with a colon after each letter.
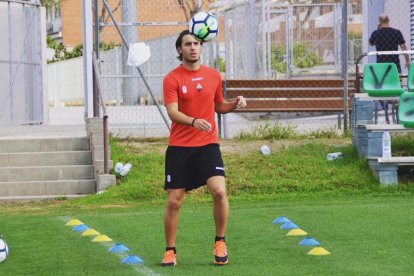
x: 220, y: 168
x: 199, y: 87
x: 184, y: 89
x: 197, y: 79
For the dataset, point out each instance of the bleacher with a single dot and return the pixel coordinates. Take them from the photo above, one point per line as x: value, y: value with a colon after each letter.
x: 381, y: 82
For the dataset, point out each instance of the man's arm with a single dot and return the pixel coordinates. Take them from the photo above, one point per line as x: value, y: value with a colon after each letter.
x: 407, y: 58
x: 226, y: 107
x: 180, y: 118
x: 371, y: 40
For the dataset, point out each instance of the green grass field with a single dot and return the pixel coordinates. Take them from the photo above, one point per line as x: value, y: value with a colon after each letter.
x: 366, y: 228
x: 365, y: 236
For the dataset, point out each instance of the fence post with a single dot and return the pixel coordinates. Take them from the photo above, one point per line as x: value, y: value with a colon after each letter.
x: 344, y: 52
x: 96, y: 27
x: 87, y: 56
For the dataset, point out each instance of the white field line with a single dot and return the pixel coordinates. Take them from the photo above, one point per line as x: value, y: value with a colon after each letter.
x: 141, y: 268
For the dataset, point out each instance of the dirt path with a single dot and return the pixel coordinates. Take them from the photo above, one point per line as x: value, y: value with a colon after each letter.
x: 231, y: 146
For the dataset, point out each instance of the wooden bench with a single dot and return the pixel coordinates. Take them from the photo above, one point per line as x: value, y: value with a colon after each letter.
x: 297, y: 95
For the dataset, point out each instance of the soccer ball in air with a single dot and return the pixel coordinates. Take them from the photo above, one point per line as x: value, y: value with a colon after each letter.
x: 4, y: 250
x: 204, y: 26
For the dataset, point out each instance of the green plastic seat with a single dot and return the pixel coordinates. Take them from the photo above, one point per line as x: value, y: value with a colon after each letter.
x: 406, y: 110
x: 410, y: 78
x: 381, y: 80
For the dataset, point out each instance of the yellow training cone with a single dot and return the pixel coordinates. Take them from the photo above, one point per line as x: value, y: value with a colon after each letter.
x: 90, y: 232
x: 101, y: 238
x: 319, y: 251
x: 296, y: 232
x: 74, y: 222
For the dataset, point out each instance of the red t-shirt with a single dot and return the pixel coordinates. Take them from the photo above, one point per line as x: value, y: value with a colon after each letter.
x: 196, y: 93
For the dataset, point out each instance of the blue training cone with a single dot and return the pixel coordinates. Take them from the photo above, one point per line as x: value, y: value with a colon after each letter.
x: 80, y: 228
x: 288, y: 226
x: 118, y: 248
x: 280, y: 220
x: 132, y: 259
x: 309, y: 241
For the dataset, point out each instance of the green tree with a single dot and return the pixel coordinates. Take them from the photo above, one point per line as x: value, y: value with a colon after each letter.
x: 303, y: 57
x: 355, y: 41
x: 222, y: 64
x: 51, y: 6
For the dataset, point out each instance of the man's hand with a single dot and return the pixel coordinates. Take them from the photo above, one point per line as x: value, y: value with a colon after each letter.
x: 202, y: 125
x: 240, y: 102
x: 226, y: 107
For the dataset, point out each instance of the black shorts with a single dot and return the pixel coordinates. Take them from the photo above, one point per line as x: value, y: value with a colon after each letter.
x: 190, y: 167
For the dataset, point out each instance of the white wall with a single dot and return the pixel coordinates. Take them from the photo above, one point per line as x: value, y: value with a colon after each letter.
x: 65, y: 81
x: 399, y: 13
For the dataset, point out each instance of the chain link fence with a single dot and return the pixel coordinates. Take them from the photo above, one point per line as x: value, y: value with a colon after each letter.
x: 296, y: 45
x: 21, y: 82
x: 299, y: 47
x: 132, y: 110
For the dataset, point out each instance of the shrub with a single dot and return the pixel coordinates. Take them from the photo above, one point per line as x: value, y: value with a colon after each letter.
x: 61, y: 53
x: 303, y: 57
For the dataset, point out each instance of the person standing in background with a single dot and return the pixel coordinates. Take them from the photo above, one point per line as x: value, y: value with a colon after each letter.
x: 386, y: 38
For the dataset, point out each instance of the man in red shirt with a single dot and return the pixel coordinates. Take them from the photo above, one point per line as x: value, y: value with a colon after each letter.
x: 192, y: 95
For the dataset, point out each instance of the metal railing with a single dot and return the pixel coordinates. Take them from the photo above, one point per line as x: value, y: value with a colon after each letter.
x: 359, y: 76
x: 98, y: 100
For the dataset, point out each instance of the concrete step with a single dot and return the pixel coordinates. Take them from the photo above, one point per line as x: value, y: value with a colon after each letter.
x: 46, y: 162
x: 43, y: 131
x: 42, y: 173
x: 52, y: 158
x: 34, y: 198
x: 30, y: 144
x: 46, y: 188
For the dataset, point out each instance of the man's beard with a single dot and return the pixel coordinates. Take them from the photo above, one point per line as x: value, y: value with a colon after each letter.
x: 193, y: 60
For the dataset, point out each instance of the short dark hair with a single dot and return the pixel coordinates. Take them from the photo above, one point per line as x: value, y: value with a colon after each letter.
x: 179, y: 41
x: 383, y: 18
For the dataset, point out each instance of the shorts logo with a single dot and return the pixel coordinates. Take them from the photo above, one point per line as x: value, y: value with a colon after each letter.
x: 168, y: 178
x: 184, y: 89
x: 220, y: 168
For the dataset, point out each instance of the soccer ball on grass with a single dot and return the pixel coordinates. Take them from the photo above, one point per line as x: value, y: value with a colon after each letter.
x: 4, y: 250
x: 204, y: 26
